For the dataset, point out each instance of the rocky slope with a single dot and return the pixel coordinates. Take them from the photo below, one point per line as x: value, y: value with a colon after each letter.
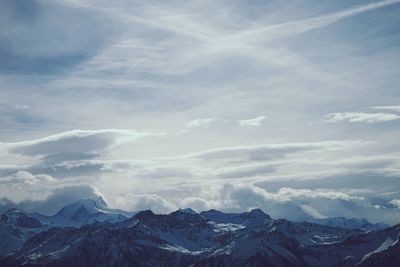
x: 186, y: 238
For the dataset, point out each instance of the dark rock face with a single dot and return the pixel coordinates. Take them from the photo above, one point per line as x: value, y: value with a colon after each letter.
x: 211, y: 238
x: 15, y: 228
x: 19, y: 219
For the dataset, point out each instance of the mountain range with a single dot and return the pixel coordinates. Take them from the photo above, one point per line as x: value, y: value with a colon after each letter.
x: 89, y: 233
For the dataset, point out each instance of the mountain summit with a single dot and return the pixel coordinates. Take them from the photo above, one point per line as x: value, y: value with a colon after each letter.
x: 85, y: 211
x: 83, y: 208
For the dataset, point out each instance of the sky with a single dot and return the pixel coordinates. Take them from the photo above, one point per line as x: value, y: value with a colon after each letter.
x: 290, y: 106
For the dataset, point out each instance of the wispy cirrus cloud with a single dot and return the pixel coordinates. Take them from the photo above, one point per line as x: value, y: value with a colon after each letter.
x: 199, y: 123
x: 271, y: 151
x: 72, y: 142
x: 388, y: 108
x: 255, y: 122
x: 361, y: 117
x: 301, y: 26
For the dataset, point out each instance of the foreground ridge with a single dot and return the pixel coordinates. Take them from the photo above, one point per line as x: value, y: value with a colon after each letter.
x: 92, y: 234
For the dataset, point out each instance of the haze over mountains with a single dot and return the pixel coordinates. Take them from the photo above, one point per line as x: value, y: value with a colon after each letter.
x: 88, y: 233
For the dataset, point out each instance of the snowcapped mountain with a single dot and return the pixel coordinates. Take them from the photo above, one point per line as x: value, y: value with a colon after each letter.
x: 83, y: 212
x: 186, y: 238
x: 17, y: 226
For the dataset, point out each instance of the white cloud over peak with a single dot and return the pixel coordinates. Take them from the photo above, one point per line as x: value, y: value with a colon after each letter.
x: 138, y: 202
x: 50, y: 202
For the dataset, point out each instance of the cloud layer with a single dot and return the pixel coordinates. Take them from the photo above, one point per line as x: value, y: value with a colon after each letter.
x: 276, y: 175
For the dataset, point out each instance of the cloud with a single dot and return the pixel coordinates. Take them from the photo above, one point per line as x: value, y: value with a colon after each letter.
x: 290, y: 203
x: 390, y: 108
x: 318, y: 165
x: 301, y: 26
x: 361, y: 117
x: 62, y: 196
x: 57, y: 199
x: 138, y: 202
x: 197, y: 123
x: 245, y: 171
x: 200, y: 123
x: 255, y: 122
x: 74, y: 168
x: 395, y: 202
x: 73, y: 142
x: 71, y: 153
x: 367, y: 183
x: 285, y: 203
x: 287, y: 194
x: 197, y: 203
x: 48, y: 37
x: 161, y: 172
x: 284, y: 194
x: 196, y: 44
x: 270, y: 151
x: 21, y: 178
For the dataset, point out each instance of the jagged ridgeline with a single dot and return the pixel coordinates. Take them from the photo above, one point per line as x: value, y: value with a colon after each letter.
x: 89, y: 233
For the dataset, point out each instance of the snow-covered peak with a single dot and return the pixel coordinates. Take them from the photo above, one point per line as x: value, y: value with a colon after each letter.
x: 101, y: 202
x: 82, y: 207
x: 85, y: 211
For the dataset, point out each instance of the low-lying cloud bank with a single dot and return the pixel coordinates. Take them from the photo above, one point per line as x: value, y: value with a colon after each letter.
x: 290, y: 203
x: 289, y: 180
